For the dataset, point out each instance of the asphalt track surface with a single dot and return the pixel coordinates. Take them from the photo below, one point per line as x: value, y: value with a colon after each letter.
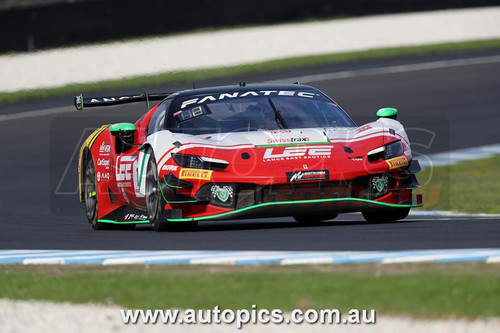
x: 446, y: 108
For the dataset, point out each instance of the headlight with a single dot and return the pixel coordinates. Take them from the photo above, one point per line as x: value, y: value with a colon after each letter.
x: 199, y: 162
x: 393, y: 150
x: 386, y: 152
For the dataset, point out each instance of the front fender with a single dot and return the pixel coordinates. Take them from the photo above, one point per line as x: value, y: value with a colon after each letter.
x: 83, y: 155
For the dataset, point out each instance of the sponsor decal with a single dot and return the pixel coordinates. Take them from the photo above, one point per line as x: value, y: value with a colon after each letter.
x: 280, y: 131
x: 303, y: 176
x: 135, y: 217
x: 397, y: 162
x: 195, y: 174
x: 123, y: 167
x: 223, y: 96
x: 305, y: 167
x: 124, y: 172
x: 79, y: 102
x: 223, y: 193
x: 288, y: 140
x: 111, y: 99
x: 169, y: 167
x: 103, y: 176
x: 104, y: 149
x: 103, y: 162
x: 379, y: 183
x: 297, y: 153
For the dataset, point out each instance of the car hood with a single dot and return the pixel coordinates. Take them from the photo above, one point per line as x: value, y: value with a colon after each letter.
x: 384, y: 129
x: 344, y: 143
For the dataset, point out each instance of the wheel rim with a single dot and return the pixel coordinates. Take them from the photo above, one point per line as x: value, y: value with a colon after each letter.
x: 90, y: 191
x: 152, y: 190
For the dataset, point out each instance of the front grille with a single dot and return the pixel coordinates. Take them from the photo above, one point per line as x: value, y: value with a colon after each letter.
x: 246, y: 198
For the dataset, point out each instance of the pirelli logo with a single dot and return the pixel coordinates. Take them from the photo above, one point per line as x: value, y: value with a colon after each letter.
x: 397, y: 162
x: 195, y: 174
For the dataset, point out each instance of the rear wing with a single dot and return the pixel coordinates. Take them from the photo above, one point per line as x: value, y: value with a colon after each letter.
x: 81, y: 102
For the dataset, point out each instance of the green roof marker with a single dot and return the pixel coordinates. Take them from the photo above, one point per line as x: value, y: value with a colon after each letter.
x: 391, y: 113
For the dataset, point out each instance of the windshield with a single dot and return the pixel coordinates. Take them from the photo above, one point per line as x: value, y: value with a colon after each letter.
x: 209, y: 114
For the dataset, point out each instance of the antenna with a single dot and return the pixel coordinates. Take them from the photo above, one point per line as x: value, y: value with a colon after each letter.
x: 194, y: 87
x: 144, y: 93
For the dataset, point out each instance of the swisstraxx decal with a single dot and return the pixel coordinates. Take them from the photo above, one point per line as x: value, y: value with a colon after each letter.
x: 297, y: 153
x: 303, y: 176
x: 287, y: 140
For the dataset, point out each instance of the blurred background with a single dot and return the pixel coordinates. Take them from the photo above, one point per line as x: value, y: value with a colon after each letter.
x: 41, y: 24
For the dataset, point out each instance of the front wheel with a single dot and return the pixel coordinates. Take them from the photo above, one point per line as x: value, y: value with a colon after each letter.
x: 386, y: 215
x: 155, y: 203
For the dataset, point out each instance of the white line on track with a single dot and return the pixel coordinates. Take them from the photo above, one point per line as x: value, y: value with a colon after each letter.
x: 36, y: 113
x: 392, y: 69
x: 307, y: 78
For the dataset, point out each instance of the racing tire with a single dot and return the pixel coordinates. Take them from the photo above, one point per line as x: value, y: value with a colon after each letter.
x: 314, y: 219
x: 90, y: 194
x: 155, y: 203
x: 386, y: 215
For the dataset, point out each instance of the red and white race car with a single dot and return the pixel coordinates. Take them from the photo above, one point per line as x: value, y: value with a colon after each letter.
x: 244, y: 151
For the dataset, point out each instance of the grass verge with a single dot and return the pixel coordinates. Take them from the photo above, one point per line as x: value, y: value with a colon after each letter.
x: 471, y: 187
x: 262, y: 67
x: 424, y: 290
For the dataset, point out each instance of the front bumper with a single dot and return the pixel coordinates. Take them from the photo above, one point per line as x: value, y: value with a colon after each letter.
x: 219, y: 201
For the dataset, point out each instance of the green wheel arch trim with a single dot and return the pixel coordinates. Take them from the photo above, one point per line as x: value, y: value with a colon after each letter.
x: 291, y: 203
x: 171, y: 186
x: 122, y: 127
x: 387, y: 113
x: 174, y: 202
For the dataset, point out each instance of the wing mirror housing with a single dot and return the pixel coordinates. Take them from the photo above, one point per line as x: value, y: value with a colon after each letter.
x: 124, y: 134
x: 123, y: 130
x: 390, y: 113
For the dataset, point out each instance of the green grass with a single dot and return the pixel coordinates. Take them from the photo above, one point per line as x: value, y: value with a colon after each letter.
x: 262, y: 67
x: 465, y: 290
x: 471, y: 187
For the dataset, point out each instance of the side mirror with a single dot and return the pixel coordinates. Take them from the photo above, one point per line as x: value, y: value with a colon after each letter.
x: 123, y: 130
x: 124, y: 134
x: 390, y: 113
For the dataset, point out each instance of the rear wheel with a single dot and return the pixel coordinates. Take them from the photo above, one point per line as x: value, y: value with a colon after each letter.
x: 90, y: 194
x: 386, y: 215
x: 314, y: 219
